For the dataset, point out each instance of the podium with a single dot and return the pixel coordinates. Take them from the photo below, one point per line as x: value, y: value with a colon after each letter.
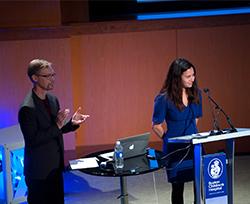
x: 200, y: 138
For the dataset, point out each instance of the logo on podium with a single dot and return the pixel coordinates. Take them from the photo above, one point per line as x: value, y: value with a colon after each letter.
x: 215, y: 178
x: 215, y: 168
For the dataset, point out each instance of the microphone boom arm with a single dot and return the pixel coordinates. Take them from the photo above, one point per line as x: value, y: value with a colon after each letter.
x: 233, y: 129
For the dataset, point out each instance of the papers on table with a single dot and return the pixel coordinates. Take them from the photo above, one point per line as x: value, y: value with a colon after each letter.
x: 90, y: 162
x: 108, y: 156
x: 84, y: 163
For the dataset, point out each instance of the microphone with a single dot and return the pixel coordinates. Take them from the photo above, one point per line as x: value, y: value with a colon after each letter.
x: 233, y: 129
x: 206, y: 90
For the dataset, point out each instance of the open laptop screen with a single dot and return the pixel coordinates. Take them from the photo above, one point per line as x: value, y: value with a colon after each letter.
x: 135, y: 145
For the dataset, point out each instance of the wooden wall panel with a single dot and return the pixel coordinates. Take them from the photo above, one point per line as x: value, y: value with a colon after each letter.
x: 30, y: 13
x: 222, y: 58
x: 121, y: 75
x: 74, y: 11
x: 14, y: 83
x: 78, y: 83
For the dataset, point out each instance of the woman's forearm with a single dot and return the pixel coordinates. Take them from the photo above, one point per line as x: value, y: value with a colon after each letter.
x: 159, y: 130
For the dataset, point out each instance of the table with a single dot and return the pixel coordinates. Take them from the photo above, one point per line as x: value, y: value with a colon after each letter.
x: 149, y: 162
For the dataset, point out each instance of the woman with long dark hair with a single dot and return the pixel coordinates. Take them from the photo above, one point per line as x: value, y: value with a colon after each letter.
x: 179, y: 105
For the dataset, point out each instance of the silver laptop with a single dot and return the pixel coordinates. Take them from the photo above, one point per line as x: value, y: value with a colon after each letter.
x: 135, y: 145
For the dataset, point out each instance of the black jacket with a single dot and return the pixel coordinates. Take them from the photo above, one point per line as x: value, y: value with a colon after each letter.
x: 44, y: 147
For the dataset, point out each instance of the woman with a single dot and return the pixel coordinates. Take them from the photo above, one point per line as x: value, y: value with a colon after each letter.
x: 179, y: 105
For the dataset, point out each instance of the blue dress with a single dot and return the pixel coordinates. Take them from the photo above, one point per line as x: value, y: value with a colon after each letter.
x: 179, y: 123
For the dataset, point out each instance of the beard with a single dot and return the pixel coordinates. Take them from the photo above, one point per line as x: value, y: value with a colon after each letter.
x: 50, y: 86
x: 47, y: 87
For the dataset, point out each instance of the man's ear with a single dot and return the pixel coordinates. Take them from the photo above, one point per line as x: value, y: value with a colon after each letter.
x: 34, y: 78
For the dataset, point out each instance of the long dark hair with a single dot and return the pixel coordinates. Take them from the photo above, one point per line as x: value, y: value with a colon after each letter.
x: 172, y: 85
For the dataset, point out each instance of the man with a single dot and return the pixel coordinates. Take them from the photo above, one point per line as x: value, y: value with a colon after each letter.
x: 43, y: 124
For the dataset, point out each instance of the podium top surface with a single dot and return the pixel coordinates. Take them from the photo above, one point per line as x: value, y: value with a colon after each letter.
x: 11, y: 137
x: 204, y: 137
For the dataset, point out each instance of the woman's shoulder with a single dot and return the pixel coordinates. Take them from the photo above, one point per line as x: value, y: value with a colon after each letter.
x: 162, y: 98
x: 200, y: 94
x: 199, y: 91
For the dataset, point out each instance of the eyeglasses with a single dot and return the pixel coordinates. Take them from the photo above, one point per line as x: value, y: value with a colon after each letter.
x: 49, y: 76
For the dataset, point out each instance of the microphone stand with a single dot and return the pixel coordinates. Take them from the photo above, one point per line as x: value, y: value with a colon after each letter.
x: 215, y: 119
x: 233, y: 129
